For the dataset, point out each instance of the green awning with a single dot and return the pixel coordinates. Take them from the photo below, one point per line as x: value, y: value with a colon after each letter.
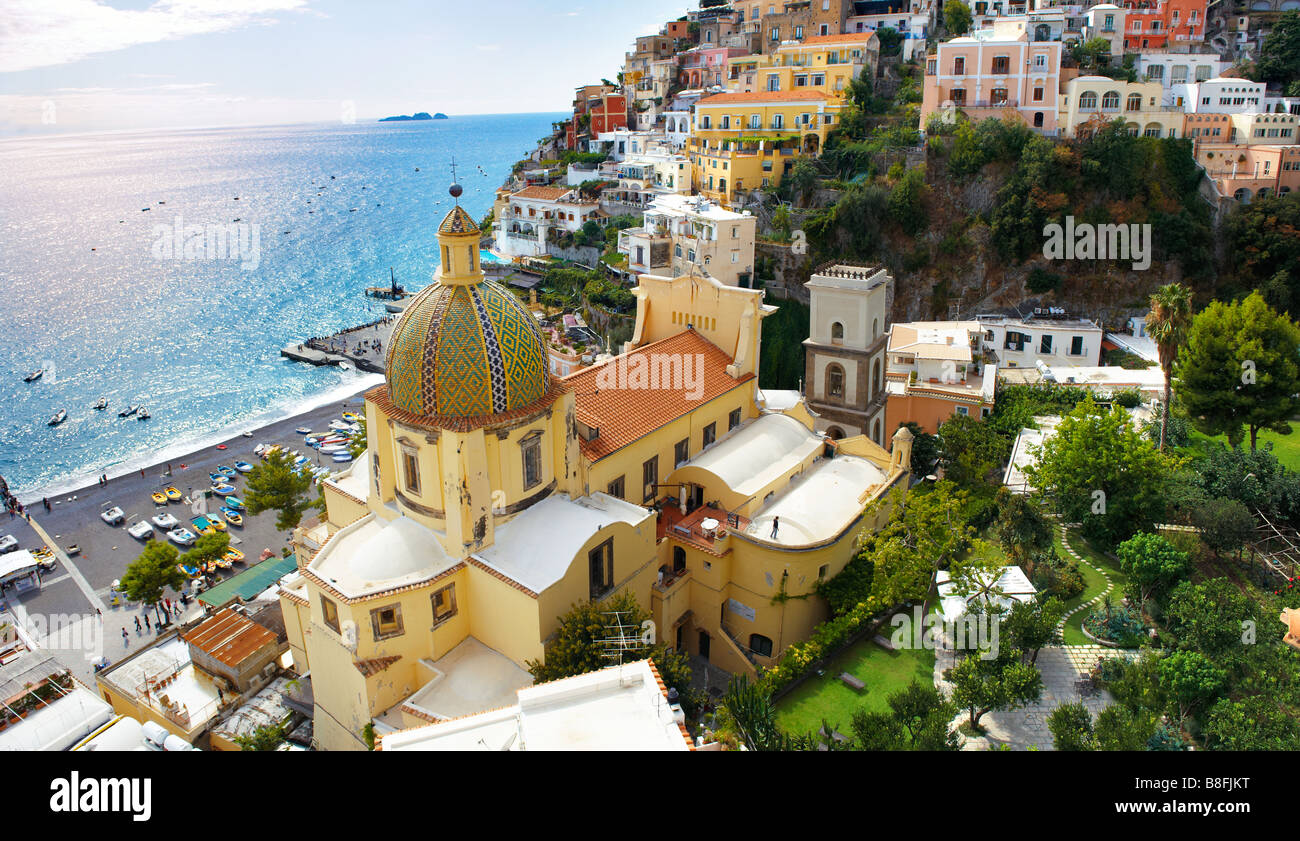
x: 249, y: 583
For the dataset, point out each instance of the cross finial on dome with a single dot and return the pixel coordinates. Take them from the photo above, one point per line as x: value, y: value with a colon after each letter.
x: 455, y: 188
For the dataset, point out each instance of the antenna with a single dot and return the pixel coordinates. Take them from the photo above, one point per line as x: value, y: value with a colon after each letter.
x: 622, y: 637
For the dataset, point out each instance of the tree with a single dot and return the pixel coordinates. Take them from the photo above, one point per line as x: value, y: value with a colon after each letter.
x: 748, y: 711
x: 1190, y: 679
x: 1257, y: 480
x: 1092, y: 52
x: 1225, y: 524
x: 1032, y: 625
x: 208, y: 548
x: 1022, y: 530
x: 918, y: 719
x: 1167, y: 324
x: 1253, y: 723
x: 273, y: 485
x: 1100, y: 471
x: 971, y: 450
x: 148, y: 576
x: 925, y: 449
x: 579, y: 645
x: 1240, y: 369
x: 1210, y: 616
x: 1003, y: 682
x: 907, y: 201
x: 1120, y: 728
x: 803, y: 180
x: 265, y: 737
x: 357, y: 442
x: 1152, y: 565
x: 1263, y: 240
x: 1279, y: 55
x: 1071, y: 727
x: 956, y: 17
x: 891, y: 41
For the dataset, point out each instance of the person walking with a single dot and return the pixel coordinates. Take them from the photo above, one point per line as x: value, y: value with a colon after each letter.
x: 126, y: 639
x: 146, y: 621
x: 137, y: 625
x: 776, y: 524
x: 47, y: 504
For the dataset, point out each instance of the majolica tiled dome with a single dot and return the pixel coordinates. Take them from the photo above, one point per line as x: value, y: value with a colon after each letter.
x: 466, y: 351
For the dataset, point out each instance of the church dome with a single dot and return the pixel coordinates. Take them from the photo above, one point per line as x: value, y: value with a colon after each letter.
x: 465, y: 349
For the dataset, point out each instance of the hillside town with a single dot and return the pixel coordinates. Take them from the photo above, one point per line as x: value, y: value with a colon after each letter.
x: 839, y: 375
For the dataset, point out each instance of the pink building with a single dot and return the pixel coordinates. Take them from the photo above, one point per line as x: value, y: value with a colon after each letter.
x: 987, y: 75
x: 702, y: 67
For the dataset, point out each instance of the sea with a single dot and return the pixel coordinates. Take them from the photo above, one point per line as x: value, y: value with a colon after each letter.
x: 98, y: 289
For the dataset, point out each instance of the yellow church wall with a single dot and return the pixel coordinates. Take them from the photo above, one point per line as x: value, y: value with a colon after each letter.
x: 503, y: 617
x: 295, y: 620
x: 377, y: 431
x: 728, y: 316
x: 628, y: 462
x: 341, y: 509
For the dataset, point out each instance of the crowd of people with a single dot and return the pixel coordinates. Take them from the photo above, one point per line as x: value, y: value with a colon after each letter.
x: 12, y: 505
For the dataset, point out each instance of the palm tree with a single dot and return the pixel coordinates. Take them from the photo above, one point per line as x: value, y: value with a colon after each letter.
x: 1167, y: 324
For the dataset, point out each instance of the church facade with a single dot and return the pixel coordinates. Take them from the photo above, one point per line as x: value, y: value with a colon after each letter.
x: 493, y: 496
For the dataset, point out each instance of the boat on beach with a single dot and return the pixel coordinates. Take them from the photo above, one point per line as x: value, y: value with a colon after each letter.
x: 303, y: 430
x: 228, y: 472
x: 223, y: 490
x: 232, y: 516
x: 59, y: 417
x: 235, y: 503
x: 341, y: 457
x: 173, y: 493
x: 243, y: 466
x: 159, y: 497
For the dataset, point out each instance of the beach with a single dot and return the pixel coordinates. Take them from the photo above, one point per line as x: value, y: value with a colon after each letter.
x: 80, y: 585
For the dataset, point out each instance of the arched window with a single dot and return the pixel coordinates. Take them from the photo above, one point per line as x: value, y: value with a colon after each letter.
x: 837, y: 330
x: 875, y: 432
x: 1088, y: 99
x: 875, y: 328
x: 760, y: 645
x: 1110, y: 100
x: 1134, y: 102
x: 834, y: 433
x: 875, y: 378
x: 835, y: 381
x: 679, y: 559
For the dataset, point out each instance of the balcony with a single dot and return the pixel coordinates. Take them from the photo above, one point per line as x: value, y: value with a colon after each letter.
x: 689, y: 528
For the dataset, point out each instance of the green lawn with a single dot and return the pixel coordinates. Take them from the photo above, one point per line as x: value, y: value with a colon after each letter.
x: 825, y: 697
x: 1285, y: 447
x: 1073, y: 632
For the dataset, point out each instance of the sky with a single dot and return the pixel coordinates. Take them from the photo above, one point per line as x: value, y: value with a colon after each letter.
x: 73, y: 66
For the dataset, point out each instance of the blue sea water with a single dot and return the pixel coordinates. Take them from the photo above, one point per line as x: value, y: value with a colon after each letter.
x: 90, y: 291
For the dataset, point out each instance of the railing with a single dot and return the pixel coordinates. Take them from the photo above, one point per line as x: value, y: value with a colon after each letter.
x: 521, y: 235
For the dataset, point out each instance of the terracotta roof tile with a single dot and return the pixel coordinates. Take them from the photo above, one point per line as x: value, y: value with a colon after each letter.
x: 229, y: 637
x: 375, y: 665
x: 539, y: 192
x: 625, y: 414
x: 765, y: 96
x: 846, y: 38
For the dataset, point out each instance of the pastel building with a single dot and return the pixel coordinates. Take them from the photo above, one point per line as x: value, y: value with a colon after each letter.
x: 911, y: 19
x: 991, y: 76
x: 1106, y: 20
x: 530, y: 217
x: 744, y: 141
x: 1093, y: 101
x: 691, y: 235
x: 493, y: 496
x: 936, y: 369
x: 1176, y: 70
x: 1156, y: 24
x: 826, y: 64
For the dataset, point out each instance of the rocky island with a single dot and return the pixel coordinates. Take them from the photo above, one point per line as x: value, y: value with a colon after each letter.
x: 420, y: 115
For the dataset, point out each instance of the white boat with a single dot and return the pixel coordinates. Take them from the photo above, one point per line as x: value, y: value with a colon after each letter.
x: 59, y: 417
x: 101, y: 404
x: 330, y: 449
x: 143, y: 414
x: 341, y: 426
x: 128, y: 411
x: 343, y: 456
x: 113, y: 516
x: 303, y: 430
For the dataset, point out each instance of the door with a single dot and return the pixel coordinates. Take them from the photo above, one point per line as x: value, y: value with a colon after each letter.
x: 704, y: 644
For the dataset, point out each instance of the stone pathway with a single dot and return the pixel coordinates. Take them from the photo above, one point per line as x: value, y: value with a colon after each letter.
x: 1064, y: 669
x: 1060, y: 629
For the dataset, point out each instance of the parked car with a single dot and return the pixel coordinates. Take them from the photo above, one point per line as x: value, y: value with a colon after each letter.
x: 8, y: 543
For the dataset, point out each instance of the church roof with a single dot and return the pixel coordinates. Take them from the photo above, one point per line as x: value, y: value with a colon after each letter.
x: 627, y: 411
x: 458, y: 221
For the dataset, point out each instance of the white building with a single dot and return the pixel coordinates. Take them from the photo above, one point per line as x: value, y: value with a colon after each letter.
x: 533, y: 215
x: 1106, y: 20
x: 1173, y: 70
x: 682, y: 234
x: 910, y: 18
x: 1219, y: 96
x: 1052, y: 338
x: 619, y: 708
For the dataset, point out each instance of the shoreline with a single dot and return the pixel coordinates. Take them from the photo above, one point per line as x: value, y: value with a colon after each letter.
x: 195, y: 450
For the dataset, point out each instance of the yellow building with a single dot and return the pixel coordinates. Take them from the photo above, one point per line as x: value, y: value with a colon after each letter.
x: 492, y: 497
x: 1097, y: 100
x: 744, y: 141
x: 826, y: 64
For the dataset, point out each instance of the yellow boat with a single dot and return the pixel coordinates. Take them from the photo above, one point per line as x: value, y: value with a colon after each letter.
x: 352, y: 417
x: 217, y: 523
x: 160, y: 497
x: 173, y: 494
x: 233, y: 517
x: 234, y: 555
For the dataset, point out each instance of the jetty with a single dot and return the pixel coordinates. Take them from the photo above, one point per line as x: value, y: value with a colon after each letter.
x: 364, y: 346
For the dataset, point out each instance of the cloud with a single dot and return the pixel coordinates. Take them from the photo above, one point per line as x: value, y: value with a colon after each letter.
x: 45, y: 33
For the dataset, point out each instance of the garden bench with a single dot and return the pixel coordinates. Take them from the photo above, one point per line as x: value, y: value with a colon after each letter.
x: 852, y: 682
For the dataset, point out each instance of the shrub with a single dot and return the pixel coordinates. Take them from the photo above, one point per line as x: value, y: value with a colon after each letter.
x: 1121, y: 625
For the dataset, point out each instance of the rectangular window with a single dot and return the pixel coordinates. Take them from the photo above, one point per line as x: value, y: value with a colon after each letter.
x: 1076, y: 346
x: 615, y: 488
x: 1001, y: 65
x: 649, y: 478
x: 411, y: 471
x: 330, y: 612
x: 681, y: 452
x: 1045, y: 343
x: 733, y: 419
x: 710, y: 433
x: 444, y: 604
x: 386, y: 621
x: 601, y: 563
x: 532, y: 453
